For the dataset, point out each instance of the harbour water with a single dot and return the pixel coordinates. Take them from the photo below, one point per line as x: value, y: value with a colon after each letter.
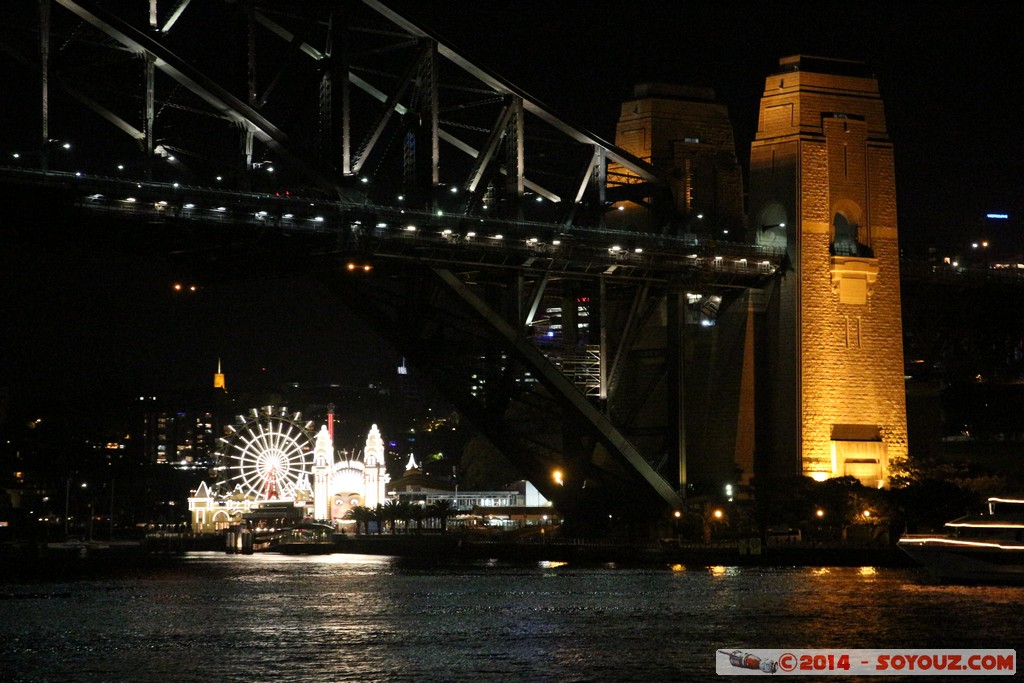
x: 268, y: 617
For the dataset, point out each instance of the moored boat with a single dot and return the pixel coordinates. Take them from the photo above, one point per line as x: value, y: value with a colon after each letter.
x: 985, y: 547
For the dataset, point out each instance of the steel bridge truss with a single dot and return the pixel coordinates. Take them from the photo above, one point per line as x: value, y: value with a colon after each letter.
x: 567, y: 355
x: 344, y: 99
x: 459, y: 329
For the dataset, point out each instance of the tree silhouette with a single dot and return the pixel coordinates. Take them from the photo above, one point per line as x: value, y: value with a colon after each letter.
x: 361, y: 514
x: 442, y: 511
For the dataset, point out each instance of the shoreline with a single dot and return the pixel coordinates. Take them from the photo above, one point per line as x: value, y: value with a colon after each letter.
x: 604, y: 553
x: 31, y: 559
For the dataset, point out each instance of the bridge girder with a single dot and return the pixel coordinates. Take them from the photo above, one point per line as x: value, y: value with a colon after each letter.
x: 455, y: 328
x: 354, y: 71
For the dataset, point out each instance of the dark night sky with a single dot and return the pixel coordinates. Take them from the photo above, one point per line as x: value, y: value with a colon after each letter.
x: 74, y: 322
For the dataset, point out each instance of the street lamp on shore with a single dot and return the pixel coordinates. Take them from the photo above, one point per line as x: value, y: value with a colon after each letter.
x: 67, y: 504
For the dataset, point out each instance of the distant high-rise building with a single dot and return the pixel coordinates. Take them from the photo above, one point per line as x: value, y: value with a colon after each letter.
x: 218, y: 378
x: 183, y: 430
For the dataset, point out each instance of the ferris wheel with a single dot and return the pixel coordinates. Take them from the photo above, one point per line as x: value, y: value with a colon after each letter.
x: 268, y: 455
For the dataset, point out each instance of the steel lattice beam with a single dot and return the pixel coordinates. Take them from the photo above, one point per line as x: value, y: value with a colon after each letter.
x: 226, y: 104
x: 562, y: 388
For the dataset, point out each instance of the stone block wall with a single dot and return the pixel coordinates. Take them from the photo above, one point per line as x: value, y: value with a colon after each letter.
x: 828, y: 130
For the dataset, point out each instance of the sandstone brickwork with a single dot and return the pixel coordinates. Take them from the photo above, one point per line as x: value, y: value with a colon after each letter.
x: 685, y: 132
x: 822, y: 159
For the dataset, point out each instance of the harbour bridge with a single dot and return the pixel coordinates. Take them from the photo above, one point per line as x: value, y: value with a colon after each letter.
x: 546, y: 280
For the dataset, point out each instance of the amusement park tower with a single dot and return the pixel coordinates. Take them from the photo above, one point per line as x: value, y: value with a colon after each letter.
x: 822, y: 187
x: 375, y: 476
x: 323, y: 462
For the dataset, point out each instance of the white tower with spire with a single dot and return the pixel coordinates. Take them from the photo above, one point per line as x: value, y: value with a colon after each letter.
x: 323, y: 464
x: 376, y: 476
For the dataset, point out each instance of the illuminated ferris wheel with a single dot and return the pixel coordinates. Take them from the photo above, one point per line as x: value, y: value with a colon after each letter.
x: 268, y: 455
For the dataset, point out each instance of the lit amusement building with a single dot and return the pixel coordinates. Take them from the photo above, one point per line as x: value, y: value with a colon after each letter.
x: 271, y: 460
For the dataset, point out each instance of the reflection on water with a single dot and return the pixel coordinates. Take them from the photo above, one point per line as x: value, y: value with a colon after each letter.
x: 216, y: 617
